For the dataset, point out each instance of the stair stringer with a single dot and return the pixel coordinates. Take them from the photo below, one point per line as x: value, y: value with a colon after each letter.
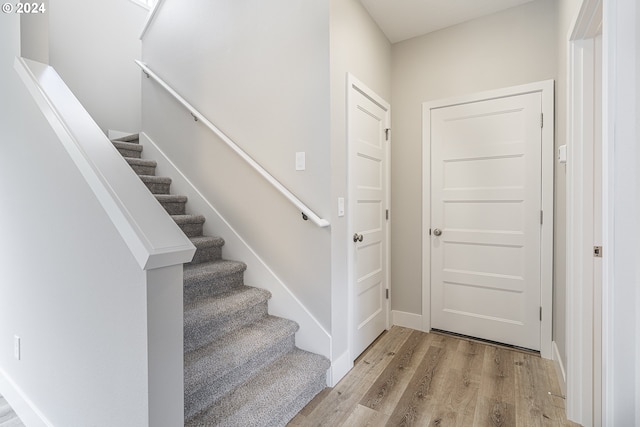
x: 311, y: 336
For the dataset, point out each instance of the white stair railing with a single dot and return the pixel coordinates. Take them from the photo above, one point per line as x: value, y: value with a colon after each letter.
x: 307, y: 213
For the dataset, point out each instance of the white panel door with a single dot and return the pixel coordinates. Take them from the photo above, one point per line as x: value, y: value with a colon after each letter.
x: 485, y: 219
x: 368, y: 189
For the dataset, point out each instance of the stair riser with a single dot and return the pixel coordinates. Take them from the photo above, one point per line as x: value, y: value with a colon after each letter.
x: 200, y: 396
x: 203, y: 289
x: 191, y: 229
x: 130, y: 153
x: 174, y: 208
x: 205, y: 332
x: 158, y: 188
x: 296, y: 406
x: 213, y: 253
x: 144, y: 170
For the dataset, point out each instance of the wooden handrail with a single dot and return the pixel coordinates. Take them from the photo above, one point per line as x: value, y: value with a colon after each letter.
x: 307, y: 213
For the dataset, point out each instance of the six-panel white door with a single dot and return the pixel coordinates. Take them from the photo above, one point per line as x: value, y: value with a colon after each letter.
x: 485, y: 219
x: 368, y: 118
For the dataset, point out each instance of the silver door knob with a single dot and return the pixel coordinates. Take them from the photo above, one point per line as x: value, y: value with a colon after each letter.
x: 358, y: 237
x: 437, y: 232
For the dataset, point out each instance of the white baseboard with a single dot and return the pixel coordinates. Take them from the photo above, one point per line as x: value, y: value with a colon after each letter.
x: 339, y: 368
x: 311, y: 336
x: 560, y: 372
x: 407, y: 320
x: 21, y: 404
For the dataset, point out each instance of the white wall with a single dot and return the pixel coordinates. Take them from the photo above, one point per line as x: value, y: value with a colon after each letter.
x: 68, y: 284
x: 34, y: 35
x: 92, y: 45
x: 360, y: 48
x: 621, y: 287
x: 260, y: 72
x: 509, y: 48
x: 567, y: 11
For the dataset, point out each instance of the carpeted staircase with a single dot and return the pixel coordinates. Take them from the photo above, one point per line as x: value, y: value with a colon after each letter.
x: 241, y: 366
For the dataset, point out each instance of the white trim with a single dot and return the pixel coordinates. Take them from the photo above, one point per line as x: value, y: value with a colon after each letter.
x: 26, y: 410
x: 560, y: 371
x: 353, y: 82
x: 311, y: 336
x: 580, y: 293
x: 339, y: 368
x: 406, y: 320
x: 546, y: 88
x: 152, y: 15
x: 143, y: 4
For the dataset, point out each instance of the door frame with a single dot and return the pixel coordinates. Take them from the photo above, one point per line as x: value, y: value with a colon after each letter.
x: 354, y: 84
x: 546, y: 88
x: 584, y: 309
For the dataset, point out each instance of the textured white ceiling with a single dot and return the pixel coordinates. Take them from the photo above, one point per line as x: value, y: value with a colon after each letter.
x: 404, y: 19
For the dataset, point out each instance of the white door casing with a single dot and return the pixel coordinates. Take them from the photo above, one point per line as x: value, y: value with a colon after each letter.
x: 584, y: 218
x: 489, y: 274
x: 368, y: 118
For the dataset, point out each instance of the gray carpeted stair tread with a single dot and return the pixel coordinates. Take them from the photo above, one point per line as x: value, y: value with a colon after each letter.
x: 207, y: 319
x: 291, y: 378
x: 155, y: 179
x: 171, y: 198
x: 129, y: 138
x: 214, y: 370
x: 173, y: 204
x: 156, y: 184
x: 207, y: 241
x: 212, y: 270
x: 128, y: 149
x: 188, y: 219
x: 141, y: 162
x: 208, y: 248
x: 191, y: 225
x: 211, y: 278
x: 142, y: 166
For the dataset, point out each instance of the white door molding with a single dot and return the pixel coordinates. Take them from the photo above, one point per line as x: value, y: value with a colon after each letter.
x: 546, y: 89
x: 582, y: 329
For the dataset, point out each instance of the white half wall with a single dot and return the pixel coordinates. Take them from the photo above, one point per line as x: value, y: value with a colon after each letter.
x: 71, y: 289
x: 97, y: 332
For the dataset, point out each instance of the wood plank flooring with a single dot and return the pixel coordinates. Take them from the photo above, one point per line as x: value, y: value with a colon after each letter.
x: 8, y: 417
x: 411, y: 378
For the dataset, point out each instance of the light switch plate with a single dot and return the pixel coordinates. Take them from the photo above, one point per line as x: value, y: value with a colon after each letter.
x: 562, y: 154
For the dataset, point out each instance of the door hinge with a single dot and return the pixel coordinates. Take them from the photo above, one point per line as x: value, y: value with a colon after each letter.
x: 541, y: 120
x: 597, y: 251
x: 387, y: 214
x: 387, y: 293
x: 386, y: 134
x: 541, y: 313
x: 541, y: 217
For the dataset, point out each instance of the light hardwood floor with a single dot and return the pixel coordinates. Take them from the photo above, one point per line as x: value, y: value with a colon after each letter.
x: 412, y: 378
x: 8, y: 418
